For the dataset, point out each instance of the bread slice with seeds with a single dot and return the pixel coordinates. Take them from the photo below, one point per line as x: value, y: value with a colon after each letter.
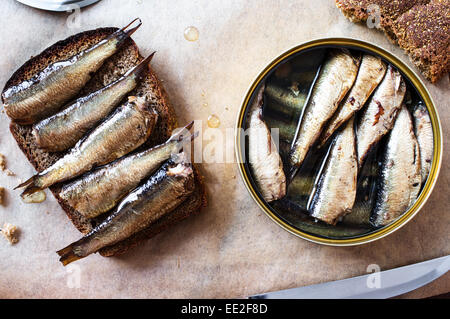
x: 150, y: 88
x: 420, y: 27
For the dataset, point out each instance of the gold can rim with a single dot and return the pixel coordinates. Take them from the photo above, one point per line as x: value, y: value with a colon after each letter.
x: 435, y: 122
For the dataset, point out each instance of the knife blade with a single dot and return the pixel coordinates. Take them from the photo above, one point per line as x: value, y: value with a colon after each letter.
x: 377, y: 285
x: 57, y: 5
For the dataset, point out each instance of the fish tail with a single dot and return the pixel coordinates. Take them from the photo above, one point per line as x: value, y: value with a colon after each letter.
x: 189, y: 126
x: 68, y: 255
x: 181, y: 134
x: 193, y: 136
x: 183, y: 137
x: 185, y: 141
x: 132, y: 30
x: 31, y: 185
x: 140, y: 69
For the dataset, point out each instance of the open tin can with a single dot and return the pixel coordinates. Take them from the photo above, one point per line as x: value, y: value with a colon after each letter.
x: 300, y: 62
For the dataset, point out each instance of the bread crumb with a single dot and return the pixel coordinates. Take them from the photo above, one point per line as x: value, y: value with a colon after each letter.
x: 37, y: 197
x: 9, y: 172
x: 2, y: 162
x: 9, y: 232
x: 3, y: 166
x: 2, y: 195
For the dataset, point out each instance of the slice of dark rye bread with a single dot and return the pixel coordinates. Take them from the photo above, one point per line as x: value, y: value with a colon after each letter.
x: 127, y: 57
x: 420, y: 27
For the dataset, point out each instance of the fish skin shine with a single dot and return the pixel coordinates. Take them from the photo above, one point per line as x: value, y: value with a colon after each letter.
x: 335, y: 79
x: 62, y: 130
x: 424, y: 133
x: 371, y: 72
x: 379, y: 115
x: 400, y: 176
x: 100, y: 190
x: 47, y: 91
x: 122, y: 132
x: 264, y: 159
x: 160, y: 194
x: 336, y: 189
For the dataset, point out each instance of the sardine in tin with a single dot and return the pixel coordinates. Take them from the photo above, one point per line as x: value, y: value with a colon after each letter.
x: 420, y: 88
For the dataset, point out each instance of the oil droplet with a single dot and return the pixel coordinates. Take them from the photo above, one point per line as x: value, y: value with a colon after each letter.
x: 191, y: 33
x: 213, y: 121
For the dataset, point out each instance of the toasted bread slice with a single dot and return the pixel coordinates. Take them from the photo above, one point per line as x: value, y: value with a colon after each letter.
x: 420, y: 27
x: 127, y: 57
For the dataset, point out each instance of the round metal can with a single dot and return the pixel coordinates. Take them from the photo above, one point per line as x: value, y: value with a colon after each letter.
x: 413, y: 79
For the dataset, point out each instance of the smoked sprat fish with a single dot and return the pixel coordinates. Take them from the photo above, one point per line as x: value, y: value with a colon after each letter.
x: 365, y: 193
x: 424, y: 134
x: 400, y: 178
x: 47, y: 91
x: 100, y: 190
x: 123, y: 131
x: 379, y: 116
x: 335, y: 79
x: 336, y: 187
x: 265, y: 161
x: 162, y: 193
x: 63, y: 130
x: 370, y: 74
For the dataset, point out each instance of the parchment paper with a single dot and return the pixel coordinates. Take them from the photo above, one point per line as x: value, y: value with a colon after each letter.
x: 231, y: 249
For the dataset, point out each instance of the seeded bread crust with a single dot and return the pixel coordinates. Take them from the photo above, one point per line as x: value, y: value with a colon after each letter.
x: 127, y: 57
x: 420, y: 27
